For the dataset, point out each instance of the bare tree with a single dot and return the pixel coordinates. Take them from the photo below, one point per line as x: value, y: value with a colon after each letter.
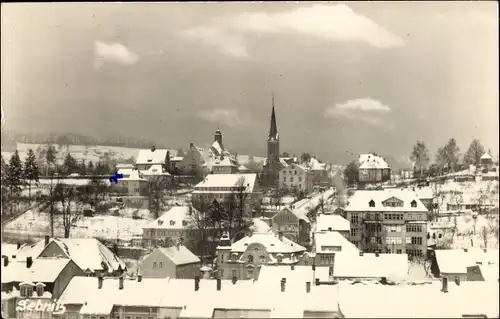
x: 420, y: 156
x: 67, y: 196
x: 493, y: 226
x: 484, y: 236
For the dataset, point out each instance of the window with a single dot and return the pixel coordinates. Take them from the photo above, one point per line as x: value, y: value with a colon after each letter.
x: 249, y: 273
x: 326, y: 260
x: 161, y: 264
x: 394, y: 240
x: 73, y: 316
x: 138, y: 317
x: 184, y: 223
x: 416, y: 240
x: 233, y: 272
x: 354, y: 218
x: 393, y: 229
x: 371, y: 203
x: 355, y: 243
x: 102, y: 317
x: 172, y: 223
x: 354, y: 232
x: 413, y: 228
x: 154, y: 264
x: 300, y: 179
x: 250, y: 258
x: 414, y: 252
x: 295, y: 172
x: 221, y: 258
x: 399, y: 251
x: 39, y: 290
x: 262, y: 259
x: 413, y: 203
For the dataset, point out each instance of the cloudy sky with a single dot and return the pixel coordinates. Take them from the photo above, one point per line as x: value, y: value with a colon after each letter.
x: 347, y: 77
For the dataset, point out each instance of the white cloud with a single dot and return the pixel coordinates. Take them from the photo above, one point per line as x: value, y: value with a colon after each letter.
x: 229, y: 118
x: 367, y: 110
x: 114, y: 53
x: 225, y: 41
x: 328, y: 22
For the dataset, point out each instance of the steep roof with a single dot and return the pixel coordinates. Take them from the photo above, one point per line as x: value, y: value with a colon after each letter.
x: 452, y: 261
x: 372, y: 161
x: 361, y: 198
x: 149, y: 156
x: 324, y: 240
x: 335, y: 222
x: 178, y: 217
x: 486, y: 156
x: 269, y: 240
x: 273, y: 129
x: 42, y: 270
x: 180, y: 255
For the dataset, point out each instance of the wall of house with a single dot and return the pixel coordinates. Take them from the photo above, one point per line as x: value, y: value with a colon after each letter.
x: 241, y: 313
x: 164, y: 266
x: 151, y: 237
x: 287, y: 223
x: 192, y: 162
x: 295, y: 178
x: 188, y: 271
x: 249, y: 269
x: 53, y: 250
x: 134, y: 187
x: 322, y: 314
x: 131, y: 312
x: 217, y: 169
x: 9, y: 306
x: 451, y: 277
x: 71, y: 270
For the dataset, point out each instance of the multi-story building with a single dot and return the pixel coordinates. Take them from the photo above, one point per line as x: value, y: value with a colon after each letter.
x: 228, y: 189
x: 328, y: 244
x: 242, y: 259
x: 133, y: 180
x: 147, y: 158
x: 320, y: 172
x: 332, y: 222
x: 224, y: 165
x: 174, y: 224
x: 192, y: 162
x: 389, y: 220
x: 373, y: 169
x: 296, y: 178
x: 293, y: 226
x: 174, y: 262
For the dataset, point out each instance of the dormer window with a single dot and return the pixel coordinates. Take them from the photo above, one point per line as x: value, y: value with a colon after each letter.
x: 184, y: 223
x: 39, y: 289
x: 413, y: 203
x: 250, y: 258
x: 172, y: 223
x: 371, y: 203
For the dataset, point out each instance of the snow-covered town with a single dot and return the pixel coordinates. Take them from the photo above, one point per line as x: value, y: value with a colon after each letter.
x: 110, y: 228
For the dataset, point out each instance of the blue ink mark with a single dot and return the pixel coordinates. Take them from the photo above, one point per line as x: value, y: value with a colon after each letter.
x: 114, y: 178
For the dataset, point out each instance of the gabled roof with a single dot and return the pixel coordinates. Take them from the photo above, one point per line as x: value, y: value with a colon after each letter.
x: 157, y: 156
x: 42, y: 270
x: 371, y: 161
x: 452, y: 261
x: 325, y: 240
x: 226, y: 161
x: 178, y: 217
x: 179, y: 255
x: 361, y: 198
x: 486, y: 156
x: 335, y: 222
x: 270, y: 241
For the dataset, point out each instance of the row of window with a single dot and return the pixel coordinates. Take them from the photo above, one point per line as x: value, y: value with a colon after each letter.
x: 290, y: 172
x: 415, y: 252
x: 413, y: 228
x: 28, y: 291
x: 388, y: 216
x: 220, y: 189
x: 161, y: 264
x: 394, y: 240
x: 327, y: 260
x: 393, y: 216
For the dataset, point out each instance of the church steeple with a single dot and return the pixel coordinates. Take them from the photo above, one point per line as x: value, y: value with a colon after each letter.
x: 273, y: 130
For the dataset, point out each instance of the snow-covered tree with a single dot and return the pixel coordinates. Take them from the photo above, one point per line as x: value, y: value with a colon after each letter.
x: 31, y: 171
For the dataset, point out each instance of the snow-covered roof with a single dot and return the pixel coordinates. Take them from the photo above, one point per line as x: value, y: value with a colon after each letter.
x: 178, y: 217
x: 330, y: 222
x: 9, y: 250
x: 120, y: 166
x: 372, y: 300
x: 226, y: 161
x: 148, y: 156
x: 297, y: 276
x: 227, y: 180
x: 176, y: 158
x: 89, y: 253
x: 269, y: 240
x: 479, y: 256
x: 361, y: 199
x: 486, y: 156
x: 260, y: 226
x: 315, y: 165
x: 424, y: 192
x: 155, y: 169
x: 452, y: 261
x: 331, y: 242
x: 352, y: 265
x: 42, y: 270
x: 243, y: 169
x: 180, y: 255
x: 30, y: 250
x: 294, y: 166
x: 371, y: 161
x: 131, y: 175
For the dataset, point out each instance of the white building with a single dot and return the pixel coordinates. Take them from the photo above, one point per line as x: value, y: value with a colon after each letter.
x: 296, y: 177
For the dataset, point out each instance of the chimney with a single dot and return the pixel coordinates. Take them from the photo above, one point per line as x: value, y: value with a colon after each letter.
x: 329, y: 229
x: 190, y: 210
x: 330, y: 271
x: 47, y: 238
x: 361, y: 253
x: 219, y: 282
x: 283, y: 283
x: 29, y: 262
x: 100, y: 280
x: 317, y: 281
x: 314, y: 267
x: 120, y: 283
x: 18, y: 246
x: 234, y: 280
x: 377, y: 254
x: 308, y: 286
x: 5, y: 261
x: 292, y: 267
x: 280, y: 236
x: 139, y: 277
x: 191, y: 145
x: 153, y: 148
x: 457, y: 280
x: 196, y: 283
x: 445, y: 285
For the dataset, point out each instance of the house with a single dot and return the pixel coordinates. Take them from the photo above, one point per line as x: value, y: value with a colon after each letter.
x: 329, y: 222
x: 233, y: 189
x: 156, y: 170
x: 225, y: 165
x: 88, y: 253
x: 486, y: 160
x: 192, y: 162
x: 451, y: 264
x: 320, y: 172
x: 243, y: 258
x: 217, y: 148
x: 242, y: 169
x: 388, y: 220
x: 174, y: 262
x: 133, y: 180
x: 373, y: 169
x: 296, y: 178
x: 297, y: 228
x: 359, y: 265
x: 40, y: 277
x: 147, y: 158
x: 424, y: 300
x: 426, y: 196
x: 175, y: 224
x: 328, y: 244
x: 199, y: 298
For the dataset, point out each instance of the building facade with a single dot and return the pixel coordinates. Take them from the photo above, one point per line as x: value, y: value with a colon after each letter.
x: 174, y: 262
x: 147, y: 158
x: 291, y: 226
x: 296, y: 178
x: 388, y: 221
x: 373, y: 169
x: 192, y: 162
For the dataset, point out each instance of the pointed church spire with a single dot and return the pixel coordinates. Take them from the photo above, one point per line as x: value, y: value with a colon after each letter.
x: 273, y: 131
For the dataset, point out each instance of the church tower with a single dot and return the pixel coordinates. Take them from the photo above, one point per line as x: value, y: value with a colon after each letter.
x: 273, y: 165
x: 218, y: 136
